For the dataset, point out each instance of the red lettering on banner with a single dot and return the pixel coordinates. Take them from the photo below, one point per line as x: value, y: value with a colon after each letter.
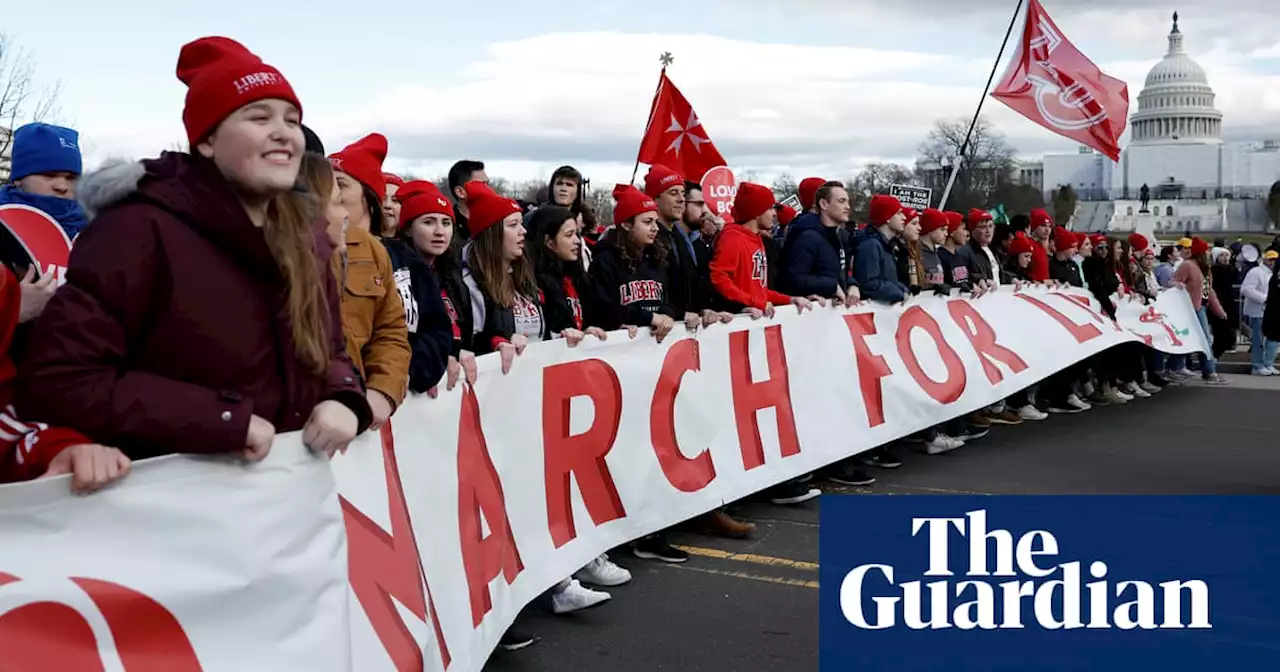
x: 1080, y: 332
x: 1083, y: 302
x: 750, y: 397
x: 1152, y: 317
x: 580, y: 456
x: 384, y: 566
x: 949, y: 389
x: 983, y: 339
x: 685, y: 474
x: 55, y: 636
x: 872, y: 368
x: 480, y: 492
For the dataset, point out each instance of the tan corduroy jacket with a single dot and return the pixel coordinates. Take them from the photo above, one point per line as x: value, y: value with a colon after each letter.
x: 373, y: 315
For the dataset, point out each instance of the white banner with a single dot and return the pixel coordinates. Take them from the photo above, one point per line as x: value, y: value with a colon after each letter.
x: 477, y: 502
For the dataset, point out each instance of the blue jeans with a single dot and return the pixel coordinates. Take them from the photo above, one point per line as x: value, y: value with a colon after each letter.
x: 1208, y: 365
x: 1264, y: 349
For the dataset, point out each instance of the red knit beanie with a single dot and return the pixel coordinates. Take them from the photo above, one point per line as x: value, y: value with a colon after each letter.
x: 1138, y: 242
x: 932, y: 220
x: 486, y: 207
x: 883, y: 207
x: 420, y: 197
x: 807, y: 192
x: 1081, y: 238
x: 909, y: 214
x: 631, y: 203
x: 222, y: 77
x: 955, y: 220
x: 1039, y: 217
x: 751, y: 201
x: 392, y: 178
x: 977, y: 217
x: 1020, y: 244
x: 660, y: 179
x: 786, y: 214
x: 1063, y: 239
x: 1097, y: 240
x: 362, y: 160
x: 1198, y: 246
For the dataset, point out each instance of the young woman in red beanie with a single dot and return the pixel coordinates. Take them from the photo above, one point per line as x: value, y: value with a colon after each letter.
x: 630, y: 268
x: 391, y: 184
x: 373, y: 316
x: 141, y: 348
x: 428, y: 323
x: 1193, y: 274
x: 427, y: 227
x: 506, y: 305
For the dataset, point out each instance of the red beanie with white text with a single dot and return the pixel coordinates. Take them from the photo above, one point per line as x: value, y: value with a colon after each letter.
x: 660, y: 179
x: 223, y: 76
x: 420, y: 197
x: 631, y: 203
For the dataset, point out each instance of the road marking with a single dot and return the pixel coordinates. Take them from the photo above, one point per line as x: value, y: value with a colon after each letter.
x: 754, y: 577
x: 768, y: 560
x: 942, y: 491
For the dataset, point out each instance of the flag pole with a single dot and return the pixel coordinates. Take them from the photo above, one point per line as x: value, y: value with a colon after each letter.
x: 955, y: 168
x: 666, y: 59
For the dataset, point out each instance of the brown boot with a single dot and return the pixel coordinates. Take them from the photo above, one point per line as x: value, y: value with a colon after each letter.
x: 720, y: 524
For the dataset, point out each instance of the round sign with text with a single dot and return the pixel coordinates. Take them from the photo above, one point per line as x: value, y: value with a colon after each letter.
x: 718, y: 190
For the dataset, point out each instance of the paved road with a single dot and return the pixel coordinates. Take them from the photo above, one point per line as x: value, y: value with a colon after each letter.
x: 752, y: 605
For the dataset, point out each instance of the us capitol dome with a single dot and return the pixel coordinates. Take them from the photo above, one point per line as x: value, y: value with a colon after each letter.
x: 1176, y: 103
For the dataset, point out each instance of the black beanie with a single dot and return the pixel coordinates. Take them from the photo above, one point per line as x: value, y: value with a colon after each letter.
x: 313, y: 141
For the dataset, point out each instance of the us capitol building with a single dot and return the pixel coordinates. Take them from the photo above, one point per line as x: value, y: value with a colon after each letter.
x: 1194, y: 180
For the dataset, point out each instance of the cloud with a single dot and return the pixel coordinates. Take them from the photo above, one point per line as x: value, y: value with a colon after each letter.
x: 770, y: 108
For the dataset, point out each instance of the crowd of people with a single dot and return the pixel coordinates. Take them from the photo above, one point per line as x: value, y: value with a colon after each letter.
x: 254, y: 285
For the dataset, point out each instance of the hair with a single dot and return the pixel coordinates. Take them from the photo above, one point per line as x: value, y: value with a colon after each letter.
x: 374, y: 206
x: 567, y: 172
x: 1020, y: 222
x: 824, y: 192
x: 544, y: 225
x: 1202, y: 260
x: 690, y: 185
x: 461, y: 172
x: 914, y: 257
x: 501, y: 284
x: 1166, y: 253
x: 630, y: 253
x: 290, y: 235
x: 1121, y: 265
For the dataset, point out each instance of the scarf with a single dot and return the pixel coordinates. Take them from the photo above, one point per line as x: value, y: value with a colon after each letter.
x: 66, y: 211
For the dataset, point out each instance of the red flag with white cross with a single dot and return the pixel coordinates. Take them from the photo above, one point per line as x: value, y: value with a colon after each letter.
x: 675, y: 137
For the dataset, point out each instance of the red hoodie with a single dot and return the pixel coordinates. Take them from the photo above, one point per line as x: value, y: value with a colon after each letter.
x: 740, y: 269
x: 26, y: 449
x: 1038, y: 271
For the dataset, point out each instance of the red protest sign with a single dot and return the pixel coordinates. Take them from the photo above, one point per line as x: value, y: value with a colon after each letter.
x: 38, y: 236
x: 718, y: 189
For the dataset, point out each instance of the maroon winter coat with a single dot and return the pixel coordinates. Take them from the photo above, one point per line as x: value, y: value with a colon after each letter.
x: 172, y: 329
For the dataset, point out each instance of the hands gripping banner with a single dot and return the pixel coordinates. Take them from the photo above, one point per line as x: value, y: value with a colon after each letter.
x: 422, y: 543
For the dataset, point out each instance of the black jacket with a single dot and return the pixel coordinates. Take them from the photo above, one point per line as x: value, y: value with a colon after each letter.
x: 457, y: 303
x: 955, y: 268
x: 565, y: 300
x: 628, y: 296
x: 430, y: 329
x: 813, y: 259
x: 1065, y: 271
x: 685, y: 283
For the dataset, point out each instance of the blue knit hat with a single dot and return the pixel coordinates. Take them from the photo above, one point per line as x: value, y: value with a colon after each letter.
x: 44, y: 148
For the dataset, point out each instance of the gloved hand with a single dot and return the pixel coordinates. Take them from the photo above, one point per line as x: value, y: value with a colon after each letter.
x: 941, y: 290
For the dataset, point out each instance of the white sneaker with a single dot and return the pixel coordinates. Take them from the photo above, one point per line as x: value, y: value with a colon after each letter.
x: 942, y: 444
x: 1149, y: 388
x: 1030, y: 412
x: 573, y: 596
x: 1132, y: 390
x: 1074, y: 401
x: 602, y: 572
x: 1262, y: 372
x: 1114, y: 396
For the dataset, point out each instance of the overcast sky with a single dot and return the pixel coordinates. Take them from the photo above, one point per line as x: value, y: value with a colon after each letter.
x: 802, y: 86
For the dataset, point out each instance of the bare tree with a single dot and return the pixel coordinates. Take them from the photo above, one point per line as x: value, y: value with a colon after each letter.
x: 784, y: 186
x: 601, y: 203
x: 20, y: 99
x: 1064, y: 204
x: 875, y: 178
x: 988, y: 159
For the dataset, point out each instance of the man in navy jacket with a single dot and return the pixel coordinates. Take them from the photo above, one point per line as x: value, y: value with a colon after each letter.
x: 813, y: 254
x: 873, y: 264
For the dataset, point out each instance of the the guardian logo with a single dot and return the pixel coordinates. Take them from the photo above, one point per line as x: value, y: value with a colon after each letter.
x: 1027, y: 588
